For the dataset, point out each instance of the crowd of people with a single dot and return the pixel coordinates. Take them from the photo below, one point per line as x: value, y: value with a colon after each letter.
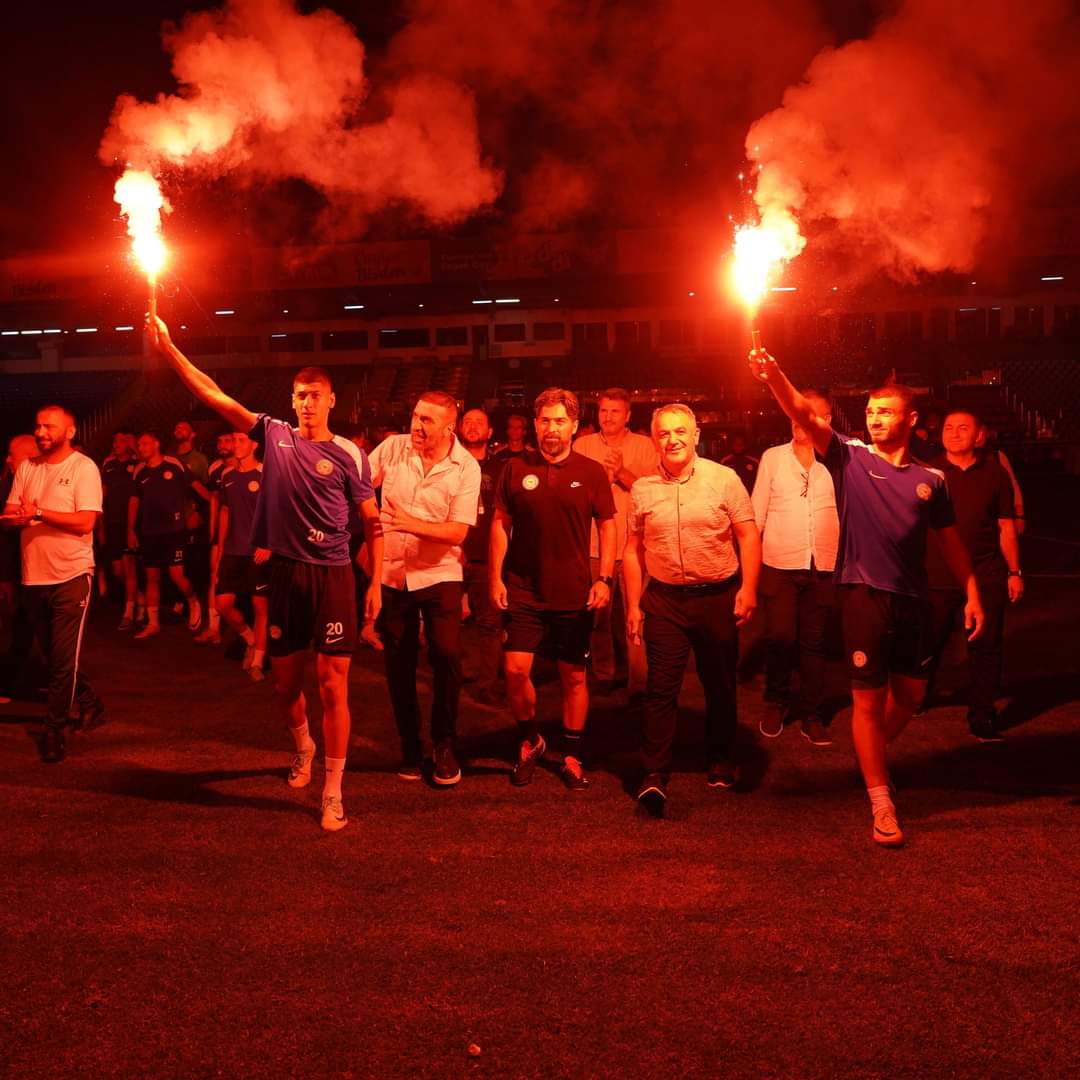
x: 612, y: 553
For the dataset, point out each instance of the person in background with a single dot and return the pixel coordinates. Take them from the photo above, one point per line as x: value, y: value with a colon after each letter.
x: 742, y: 463
x: 117, y: 479
x: 196, y: 510
x: 13, y: 615
x: 224, y: 460
x: 517, y: 427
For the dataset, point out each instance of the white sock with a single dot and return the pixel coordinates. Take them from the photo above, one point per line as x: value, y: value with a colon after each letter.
x: 335, y: 770
x: 258, y: 657
x: 153, y: 616
x: 129, y: 610
x: 302, y: 738
x: 880, y: 799
x: 248, y: 636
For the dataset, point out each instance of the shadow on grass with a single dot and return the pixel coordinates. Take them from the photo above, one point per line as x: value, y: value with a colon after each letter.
x: 194, y: 788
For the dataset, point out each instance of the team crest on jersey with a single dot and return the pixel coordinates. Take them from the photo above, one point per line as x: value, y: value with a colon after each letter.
x: 324, y: 467
x: 253, y: 486
x: 275, y: 632
x: 858, y: 658
x: 923, y: 491
x: 531, y: 482
x: 168, y: 474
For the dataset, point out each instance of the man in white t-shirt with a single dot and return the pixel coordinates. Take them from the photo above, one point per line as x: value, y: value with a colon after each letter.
x: 55, y: 500
x: 625, y: 457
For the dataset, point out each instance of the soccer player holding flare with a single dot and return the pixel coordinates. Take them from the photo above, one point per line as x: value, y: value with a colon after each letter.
x: 309, y: 478
x: 886, y: 503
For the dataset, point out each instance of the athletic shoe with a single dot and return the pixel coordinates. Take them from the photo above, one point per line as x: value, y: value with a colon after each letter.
x: 816, y: 733
x: 333, y: 813
x: 772, y: 726
x: 723, y: 773
x: 652, y: 793
x: 149, y: 630
x: 447, y: 770
x: 256, y: 673
x: 410, y: 770
x: 985, y: 730
x: 53, y: 746
x: 887, y: 831
x: 249, y: 658
x: 572, y: 774
x: 300, y: 769
x: 194, y: 614
x: 126, y: 623
x: 528, y: 757
x: 207, y: 637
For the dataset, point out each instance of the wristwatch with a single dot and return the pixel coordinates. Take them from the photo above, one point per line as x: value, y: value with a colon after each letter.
x: 38, y: 515
x: 1015, y: 573
x: 606, y: 579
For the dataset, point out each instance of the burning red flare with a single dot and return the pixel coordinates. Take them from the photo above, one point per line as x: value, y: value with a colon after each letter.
x: 142, y: 203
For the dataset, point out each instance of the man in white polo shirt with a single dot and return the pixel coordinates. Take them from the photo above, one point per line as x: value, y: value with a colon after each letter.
x: 55, y: 499
x: 795, y: 507
x: 430, y: 487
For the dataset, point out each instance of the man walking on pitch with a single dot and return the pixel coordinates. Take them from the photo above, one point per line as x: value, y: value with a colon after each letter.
x: 886, y: 503
x: 55, y: 499
x: 310, y: 478
x: 545, y: 505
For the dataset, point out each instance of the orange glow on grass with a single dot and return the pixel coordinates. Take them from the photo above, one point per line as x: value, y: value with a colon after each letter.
x: 142, y: 203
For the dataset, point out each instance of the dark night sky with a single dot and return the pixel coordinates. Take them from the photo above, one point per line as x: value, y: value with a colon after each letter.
x: 60, y: 78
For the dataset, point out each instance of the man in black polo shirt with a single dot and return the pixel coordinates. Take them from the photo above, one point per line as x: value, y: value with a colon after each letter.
x: 117, y: 482
x: 545, y: 504
x: 982, y: 495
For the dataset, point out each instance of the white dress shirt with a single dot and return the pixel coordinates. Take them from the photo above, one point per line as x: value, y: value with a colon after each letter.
x: 795, y: 509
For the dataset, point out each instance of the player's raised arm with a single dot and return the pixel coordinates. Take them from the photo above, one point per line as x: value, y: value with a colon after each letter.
x: 765, y: 369
x: 198, y: 382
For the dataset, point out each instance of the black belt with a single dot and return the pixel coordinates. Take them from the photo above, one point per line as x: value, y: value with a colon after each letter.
x: 698, y: 587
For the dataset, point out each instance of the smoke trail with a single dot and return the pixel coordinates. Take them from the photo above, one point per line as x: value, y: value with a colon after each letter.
x: 267, y: 93
x: 917, y: 145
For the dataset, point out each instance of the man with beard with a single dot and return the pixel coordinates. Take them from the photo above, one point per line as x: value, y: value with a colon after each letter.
x: 118, y: 485
x: 684, y: 525
x: 55, y: 499
x: 486, y: 619
x: 430, y: 487
x: 886, y: 503
x: 310, y: 479
x: 545, y: 505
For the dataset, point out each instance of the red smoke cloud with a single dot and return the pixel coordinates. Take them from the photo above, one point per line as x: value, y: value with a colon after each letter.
x: 267, y: 93
x: 915, y: 146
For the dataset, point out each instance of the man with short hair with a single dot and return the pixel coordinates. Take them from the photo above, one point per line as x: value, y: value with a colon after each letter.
x: 241, y: 567
x: 982, y: 494
x: 886, y: 503
x: 310, y: 478
x: 625, y: 457
x: 55, y: 500
x: 156, y: 528
x: 795, y: 508
x: 430, y: 487
x: 197, y: 509
x: 224, y: 460
x: 516, y: 445
x: 741, y: 461
x: 118, y: 485
x: 486, y: 619
x: 684, y: 524
x: 545, y: 505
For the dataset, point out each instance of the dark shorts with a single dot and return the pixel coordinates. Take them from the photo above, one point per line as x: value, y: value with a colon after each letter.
x: 240, y: 574
x: 884, y: 634
x: 530, y: 628
x: 311, y: 605
x: 162, y: 551
x: 115, y: 546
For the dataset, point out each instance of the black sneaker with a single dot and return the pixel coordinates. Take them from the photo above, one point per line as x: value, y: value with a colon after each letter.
x: 447, y: 770
x: 410, y: 770
x: 652, y: 793
x: 528, y: 757
x: 986, y: 733
x: 723, y: 773
x: 573, y: 775
x: 90, y: 718
x: 53, y: 746
x: 771, y: 725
